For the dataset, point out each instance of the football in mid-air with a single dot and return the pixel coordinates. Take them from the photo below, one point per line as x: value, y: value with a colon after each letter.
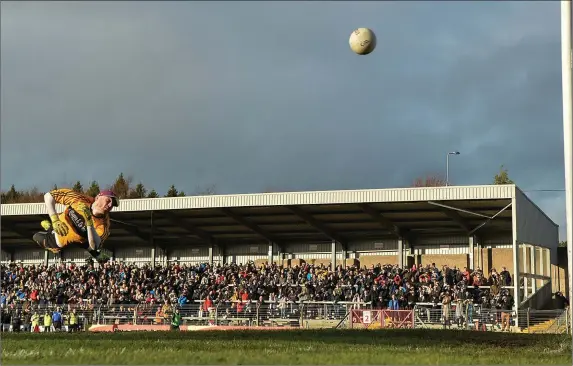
x: 362, y: 41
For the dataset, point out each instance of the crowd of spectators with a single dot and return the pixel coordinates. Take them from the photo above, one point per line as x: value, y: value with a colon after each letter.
x: 87, y: 285
x: 153, y: 294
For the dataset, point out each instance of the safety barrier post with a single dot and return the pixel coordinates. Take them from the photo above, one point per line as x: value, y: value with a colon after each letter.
x: 217, y: 314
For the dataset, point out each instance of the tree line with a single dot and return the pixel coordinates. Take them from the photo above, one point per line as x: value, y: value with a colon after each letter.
x: 436, y: 180
x: 124, y: 187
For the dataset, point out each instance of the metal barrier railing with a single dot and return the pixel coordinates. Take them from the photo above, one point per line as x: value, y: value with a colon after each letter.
x: 306, y: 314
x: 470, y: 316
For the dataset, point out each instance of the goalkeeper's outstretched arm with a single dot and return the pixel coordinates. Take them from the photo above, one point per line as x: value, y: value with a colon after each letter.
x: 62, y: 196
x: 50, y: 204
x: 94, y: 239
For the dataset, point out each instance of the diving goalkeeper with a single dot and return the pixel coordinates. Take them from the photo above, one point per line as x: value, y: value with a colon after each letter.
x: 85, y: 221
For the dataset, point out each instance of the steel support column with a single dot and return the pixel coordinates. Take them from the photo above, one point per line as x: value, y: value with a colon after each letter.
x: 270, y: 253
x: 516, y: 279
x: 152, y: 241
x: 401, y: 252
x: 211, y: 255
x: 525, y: 270
x: 532, y: 268
x: 515, y: 248
x: 333, y: 255
x: 471, y: 243
x: 541, y: 252
x: 223, y: 254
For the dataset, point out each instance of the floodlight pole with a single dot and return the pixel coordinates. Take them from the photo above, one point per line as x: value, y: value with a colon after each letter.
x: 448, y: 165
x: 567, y: 64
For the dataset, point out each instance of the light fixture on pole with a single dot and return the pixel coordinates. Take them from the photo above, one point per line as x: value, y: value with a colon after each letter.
x: 448, y: 166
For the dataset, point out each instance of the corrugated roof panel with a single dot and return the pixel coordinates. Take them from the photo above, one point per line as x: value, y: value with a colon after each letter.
x: 294, y: 198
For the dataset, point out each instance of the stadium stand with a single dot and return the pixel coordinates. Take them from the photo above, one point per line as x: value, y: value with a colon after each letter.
x: 422, y: 247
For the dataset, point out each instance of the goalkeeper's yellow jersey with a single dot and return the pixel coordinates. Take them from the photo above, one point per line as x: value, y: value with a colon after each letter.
x: 75, y: 219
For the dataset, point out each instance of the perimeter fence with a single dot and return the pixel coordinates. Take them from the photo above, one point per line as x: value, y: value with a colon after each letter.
x: 302, y: 314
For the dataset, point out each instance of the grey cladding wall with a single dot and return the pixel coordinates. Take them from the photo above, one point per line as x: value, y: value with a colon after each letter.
x: 534, y: 226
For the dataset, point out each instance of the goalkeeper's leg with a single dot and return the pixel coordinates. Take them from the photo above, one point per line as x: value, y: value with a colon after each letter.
x: 47, y: 240
x: 99, y: 256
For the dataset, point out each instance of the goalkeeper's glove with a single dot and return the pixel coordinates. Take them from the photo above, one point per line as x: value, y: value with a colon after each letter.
x: 46, y: 224
x: 85, y: 211
x: 59, y: 227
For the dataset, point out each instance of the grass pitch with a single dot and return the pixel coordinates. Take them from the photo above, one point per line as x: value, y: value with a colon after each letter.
x: 292, y: 347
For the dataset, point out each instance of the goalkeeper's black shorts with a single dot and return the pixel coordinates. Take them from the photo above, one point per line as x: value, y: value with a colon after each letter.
x: 46, y: 240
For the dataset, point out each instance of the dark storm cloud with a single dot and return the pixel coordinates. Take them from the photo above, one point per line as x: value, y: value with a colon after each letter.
x: 250, y: 96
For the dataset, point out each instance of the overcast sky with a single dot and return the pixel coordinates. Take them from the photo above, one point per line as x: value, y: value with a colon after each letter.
x: 267, y: 95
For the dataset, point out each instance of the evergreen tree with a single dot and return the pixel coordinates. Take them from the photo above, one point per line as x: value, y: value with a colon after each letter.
x: 138, y: 192
x: 121, y: 186
x: 12, y: 195
x: 152, y: 194
x: 502, y: 177
x: 93, y: 190
x: 172, y: 192
x: 78, y: 187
